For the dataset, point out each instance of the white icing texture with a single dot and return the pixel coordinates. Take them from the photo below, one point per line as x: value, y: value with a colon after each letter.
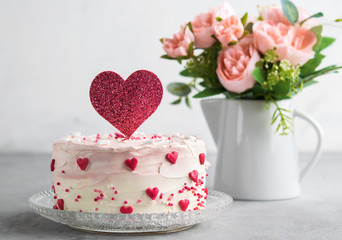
x: 106, y: 183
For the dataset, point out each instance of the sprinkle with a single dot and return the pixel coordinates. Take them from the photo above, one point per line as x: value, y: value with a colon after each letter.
x: 76, y: 200
x: 170, y: 204
x: 181, y: 191
x: 81, y: 211
x: 96, y: 209
x: 63, y: 171
x: 161, y: 196
x: 52, y: 165
x: 78, y: 196
x: 95, y: 190
x: 113, y: 198
x: 116, y: 192
x: 55, y: 197
x: 67, y: 190
x: 58, y: 183
x: 139, y: 200
x: 113, y: 188
x: 101, y: 195
x: 125, y: 202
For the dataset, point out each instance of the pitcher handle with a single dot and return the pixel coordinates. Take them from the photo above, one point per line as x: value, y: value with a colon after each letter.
x: 318, y: 150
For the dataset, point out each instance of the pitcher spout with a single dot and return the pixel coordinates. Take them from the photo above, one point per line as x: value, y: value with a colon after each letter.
x: 212, y: 110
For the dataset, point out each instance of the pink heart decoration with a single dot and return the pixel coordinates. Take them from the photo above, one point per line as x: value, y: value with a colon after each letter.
x: 60, y: 204
x: 126, y: 104
x: 131, y: 163
x: 172, y: 157
x: 126, y: 210
x: 202, y: 158
x: 82, y: 163
x: 152, y: 193
x: 193, y: 175
x: 184, y: 204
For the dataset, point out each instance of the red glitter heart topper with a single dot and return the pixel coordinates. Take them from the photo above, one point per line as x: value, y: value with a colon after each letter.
x: 126, y: 104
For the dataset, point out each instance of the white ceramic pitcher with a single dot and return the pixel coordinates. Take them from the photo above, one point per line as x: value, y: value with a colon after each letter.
x: 254, y: 163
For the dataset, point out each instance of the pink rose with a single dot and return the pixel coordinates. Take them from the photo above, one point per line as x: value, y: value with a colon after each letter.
x: 292, y: 43
x: 235, y: 65
x: 276, y: 14
x: 202, y: 25
x: 228, y: 30
x: 203, y: 30
x: 179, y: 45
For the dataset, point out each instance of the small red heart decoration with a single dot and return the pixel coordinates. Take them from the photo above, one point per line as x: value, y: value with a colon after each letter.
x: 52, y: 165
x: 60, y: 204
x: 172, y: 157
x: 152, y: 193
x: 82, y: 163
x: 126, y: 104
x: 126, y: 210
x: 193, y: 175
x: 184, y: 204
x: 131, y: 163
x: 202, y: 158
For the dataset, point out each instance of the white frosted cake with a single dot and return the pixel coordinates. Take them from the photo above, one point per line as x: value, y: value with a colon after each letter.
x: 143, y: 174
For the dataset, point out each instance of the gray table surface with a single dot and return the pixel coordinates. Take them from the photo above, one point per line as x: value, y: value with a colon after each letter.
x: 316, y: 214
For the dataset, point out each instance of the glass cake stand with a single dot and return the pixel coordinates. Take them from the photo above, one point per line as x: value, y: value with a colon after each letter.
x: 42, y: 203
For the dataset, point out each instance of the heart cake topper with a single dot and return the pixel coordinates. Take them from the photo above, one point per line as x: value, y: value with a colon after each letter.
x: 126, y: 104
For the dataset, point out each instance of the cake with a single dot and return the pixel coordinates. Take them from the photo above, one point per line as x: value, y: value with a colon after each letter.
x: 143, y: 174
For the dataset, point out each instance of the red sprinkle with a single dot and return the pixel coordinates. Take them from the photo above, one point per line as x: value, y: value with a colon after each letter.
x: 161, y: 196
x: 139, y: 200
x: 95, y: 190
x: 113, y: 198
x: 76, y: 200
x: 78, y: 196
x: 63, y: 171
x: 58, y: 183
x: 96, y: 209
x: 52, y: 165
x: 116, y: 192
x: 125, y: 202
x: 201, y: 158
x: 55, y: 197
x: 67, y: 190
x: 81, y: 211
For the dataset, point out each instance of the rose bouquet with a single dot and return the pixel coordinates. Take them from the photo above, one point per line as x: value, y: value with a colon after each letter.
x: 272, y: 57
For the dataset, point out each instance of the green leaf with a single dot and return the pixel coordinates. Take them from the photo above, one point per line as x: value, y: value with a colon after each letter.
x: 338, y: 20
x: 321, y: 72
x: 249, y: 27
x: 259, y: 75
x: 189, y: 25
x: 282, y: 89
x: 208, y: 92
x: 179, y: 89
x: 317, y: 15
x: 191, y: 49
x: 219, y: 19
x: 325, y: 42
x: 161, y: 40
x: 309, y: 83
x: 191, y: 72
x: 178, y: 101
x: 244, y: 19
x: 290, y: 11
x: 204, y: 84
x: 167, y: 57
x: 311, y: 65
x: 187, y: 101
x: 317, y: 30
